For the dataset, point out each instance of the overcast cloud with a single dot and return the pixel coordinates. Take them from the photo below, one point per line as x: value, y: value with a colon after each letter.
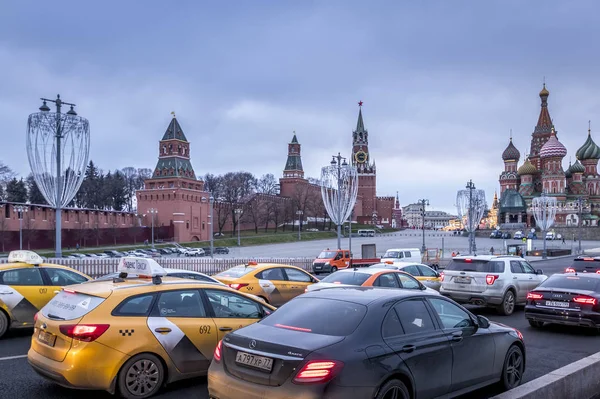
x: 442, y: 82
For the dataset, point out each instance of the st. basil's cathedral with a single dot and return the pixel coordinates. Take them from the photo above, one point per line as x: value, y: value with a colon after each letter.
x: 542, y: 171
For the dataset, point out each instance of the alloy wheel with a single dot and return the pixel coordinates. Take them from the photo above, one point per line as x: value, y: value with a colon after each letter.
x: 514, y: 369
x: 509, y: 303
x: 394, y: 392
x: 142, y: 377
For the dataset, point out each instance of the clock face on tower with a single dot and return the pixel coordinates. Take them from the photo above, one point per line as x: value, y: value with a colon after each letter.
x: 360, y: 157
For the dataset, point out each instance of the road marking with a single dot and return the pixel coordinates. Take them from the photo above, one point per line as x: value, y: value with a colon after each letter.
x: 12, y: 357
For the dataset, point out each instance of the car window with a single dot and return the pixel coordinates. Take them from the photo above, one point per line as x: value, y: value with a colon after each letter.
x: 451, y: 315
x: 230, y: 305
x: 192, y: 276
x: 236, y: 272
x: 414, y: 316
x: 426, y: 272
x: 29, y: 276
x: 181, y: 303
x: 407, y: 254
x: 271, y: 274
x: 475, y: 265
x: 386, y: 280
x: 527, y: 268
x: 318, y: 316
x: 391, y: 325
x: 345, y: 277
x: 297, y: 275
x: 63, y: 277
x: 408, y: 282
x: 412, y: 269
x: 515, y: 267
x: 134, y: 306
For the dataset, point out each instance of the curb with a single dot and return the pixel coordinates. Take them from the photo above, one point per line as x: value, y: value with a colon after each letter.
x: 552, y: 258
x: 576, y: 380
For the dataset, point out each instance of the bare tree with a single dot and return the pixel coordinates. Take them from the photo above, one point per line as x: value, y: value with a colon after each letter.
x: 134, y: 232
x: 254, y: 210
x: 115, y: 231
x: 237, y: 187
x: 267, y: 184
x: 222, y: 211
x: 29, y: 231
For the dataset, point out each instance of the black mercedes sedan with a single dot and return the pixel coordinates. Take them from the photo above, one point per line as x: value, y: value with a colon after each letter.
x: 361, y: 342
x: 569, y: 299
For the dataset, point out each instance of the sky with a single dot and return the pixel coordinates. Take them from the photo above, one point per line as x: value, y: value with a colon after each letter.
x: 443, y: 82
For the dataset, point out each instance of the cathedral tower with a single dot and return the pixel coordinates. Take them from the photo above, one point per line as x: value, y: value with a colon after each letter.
x: 367, y: 172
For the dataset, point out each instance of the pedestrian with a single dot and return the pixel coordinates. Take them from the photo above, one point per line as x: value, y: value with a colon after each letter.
x: 563, y: 239
x: 491, y: 250
x: 77, y: 246
x: 453, y: 254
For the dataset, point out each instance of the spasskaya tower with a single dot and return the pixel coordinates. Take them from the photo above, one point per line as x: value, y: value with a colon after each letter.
x: 366, y: 205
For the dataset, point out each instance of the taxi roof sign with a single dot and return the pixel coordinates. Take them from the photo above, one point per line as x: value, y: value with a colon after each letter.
x: 140, y: 266
x: 28, y: 257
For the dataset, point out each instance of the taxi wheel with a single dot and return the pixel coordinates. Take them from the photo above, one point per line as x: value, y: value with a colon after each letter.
x: 141, y: 376
x: 333, y: 269
x: 3, y: 323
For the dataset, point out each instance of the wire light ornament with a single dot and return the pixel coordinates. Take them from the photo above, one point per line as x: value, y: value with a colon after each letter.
x: 471, y: 205
x: 339, y: 188
x: 58, y: 147
x: 544, y: 210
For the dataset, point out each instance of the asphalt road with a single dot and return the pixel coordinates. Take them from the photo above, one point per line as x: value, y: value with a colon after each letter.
x: 547, y: 350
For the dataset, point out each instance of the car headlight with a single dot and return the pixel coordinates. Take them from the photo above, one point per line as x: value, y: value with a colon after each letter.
x: 326, y: 263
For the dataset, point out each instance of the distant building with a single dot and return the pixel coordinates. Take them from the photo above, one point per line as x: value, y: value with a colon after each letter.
x: 436, y: 220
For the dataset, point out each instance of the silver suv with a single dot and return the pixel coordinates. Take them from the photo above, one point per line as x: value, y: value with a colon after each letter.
x: 495, y: 281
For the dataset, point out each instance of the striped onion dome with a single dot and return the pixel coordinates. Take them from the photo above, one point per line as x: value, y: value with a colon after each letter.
x: 527, y: 168
x: 577, y: 167
x: 511, y: 153
x: 553, y: 148
x: 589, y: 150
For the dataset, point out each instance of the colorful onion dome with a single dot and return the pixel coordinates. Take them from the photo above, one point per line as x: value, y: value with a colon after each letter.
x: 544, y: 92
x: 511, y: 153
x: 568, y: 173
x: 589, y: 149
x: 553, y: 148
x: 577, y: 168
x: 527, y: 168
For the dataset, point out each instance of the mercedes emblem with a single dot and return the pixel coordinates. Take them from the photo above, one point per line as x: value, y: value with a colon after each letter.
x: 252, y: 344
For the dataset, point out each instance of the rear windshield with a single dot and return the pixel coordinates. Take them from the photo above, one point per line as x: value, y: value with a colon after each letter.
x: 572, y: 282
x: 580, y: 263
x: 350, y: 278
x: 235, y: 272
x: 393, y: 254
x: 318, y: 316
x: 474, y: 265
x: 70, y: 306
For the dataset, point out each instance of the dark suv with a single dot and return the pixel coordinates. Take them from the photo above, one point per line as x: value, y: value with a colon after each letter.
x: 584, y: 264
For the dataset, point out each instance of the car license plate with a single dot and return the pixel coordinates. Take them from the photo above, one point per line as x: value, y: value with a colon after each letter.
x: 260, y: 362
x: 46, y: 338
x: 463, y: 280
x: 557, y: 304
x: 317, y: 267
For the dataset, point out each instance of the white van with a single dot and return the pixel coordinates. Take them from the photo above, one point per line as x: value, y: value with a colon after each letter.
x: 366, y: 233
x: 402, y: 255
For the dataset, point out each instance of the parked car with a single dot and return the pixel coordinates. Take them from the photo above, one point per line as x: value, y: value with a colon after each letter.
x: 114, y: 254
x: 494, y: 281
x: 551, y: 235
x: 413, y: 345
x: 194, y: 252
x: 221, y: 250
x: 519, y: 235
x: 496, y: 234
x: 531, y: 236
x: 506, y: 235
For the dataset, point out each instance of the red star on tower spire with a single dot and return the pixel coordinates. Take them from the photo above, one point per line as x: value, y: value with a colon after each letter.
x: 360, y: 103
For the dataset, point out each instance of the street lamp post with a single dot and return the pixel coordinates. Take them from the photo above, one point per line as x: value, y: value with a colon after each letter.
x: 299, y: 213
x: 350, y: 235
x: 19, y: 210
x: 339, y: 161
x: 210, y: 228
x: 152, y: 212
x: 544, y: 210
x: 423, y: 203
x: 238, y: 212
x: 580, y: 202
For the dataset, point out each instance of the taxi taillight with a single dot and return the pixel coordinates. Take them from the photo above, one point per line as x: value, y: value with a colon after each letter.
x: 84, y: 332
x: 237, y: 286
x: 35, y: 317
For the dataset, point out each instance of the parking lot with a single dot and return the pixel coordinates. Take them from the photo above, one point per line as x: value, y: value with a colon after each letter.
x: 547, y: 350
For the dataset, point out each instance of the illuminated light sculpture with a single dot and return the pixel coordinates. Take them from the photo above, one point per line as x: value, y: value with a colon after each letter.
x: 544, y: 210
x: 58, y: 148
x: 470, y: 204
x: 339, y: 188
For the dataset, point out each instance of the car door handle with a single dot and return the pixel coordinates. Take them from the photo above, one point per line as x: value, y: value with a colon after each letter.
x: 457, y: 336
x: 162, y: 330
x: 6, y: 293
x: 265, y: 285
x: 225, y: 328
x: 408, y: 348
x: 515, y: 277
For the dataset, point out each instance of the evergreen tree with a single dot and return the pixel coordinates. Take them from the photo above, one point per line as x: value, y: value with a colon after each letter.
x: 34, y: 194
x: 1, y: 193
x: 16, y: 191
x: 89, y: 193
x: 119, y: 191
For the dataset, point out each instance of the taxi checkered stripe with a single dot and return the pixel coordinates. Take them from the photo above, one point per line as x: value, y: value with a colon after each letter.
x: 126, y: 332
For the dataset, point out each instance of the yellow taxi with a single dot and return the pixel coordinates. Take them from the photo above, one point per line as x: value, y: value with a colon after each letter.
x: 132, y: 336
x: 425, y: 274
x: 27, y: 284
x: 275, y: 283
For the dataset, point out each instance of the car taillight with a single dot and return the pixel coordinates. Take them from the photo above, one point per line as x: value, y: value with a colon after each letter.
x: 533, y: 295
x: 318, y: 371
x: 569, y: 270
x: 597, y: 271
x: 491, y: 278
x: 237, y: 286
x: 442, y: 276
x: 519, y: 334
x: 586, y: 300
x: 84, y: 332
x: 217, y: 354
x: 306, y: 289
x: 35, y: 317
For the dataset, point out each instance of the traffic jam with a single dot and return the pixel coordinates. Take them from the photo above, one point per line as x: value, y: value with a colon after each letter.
x: 261, y: 330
